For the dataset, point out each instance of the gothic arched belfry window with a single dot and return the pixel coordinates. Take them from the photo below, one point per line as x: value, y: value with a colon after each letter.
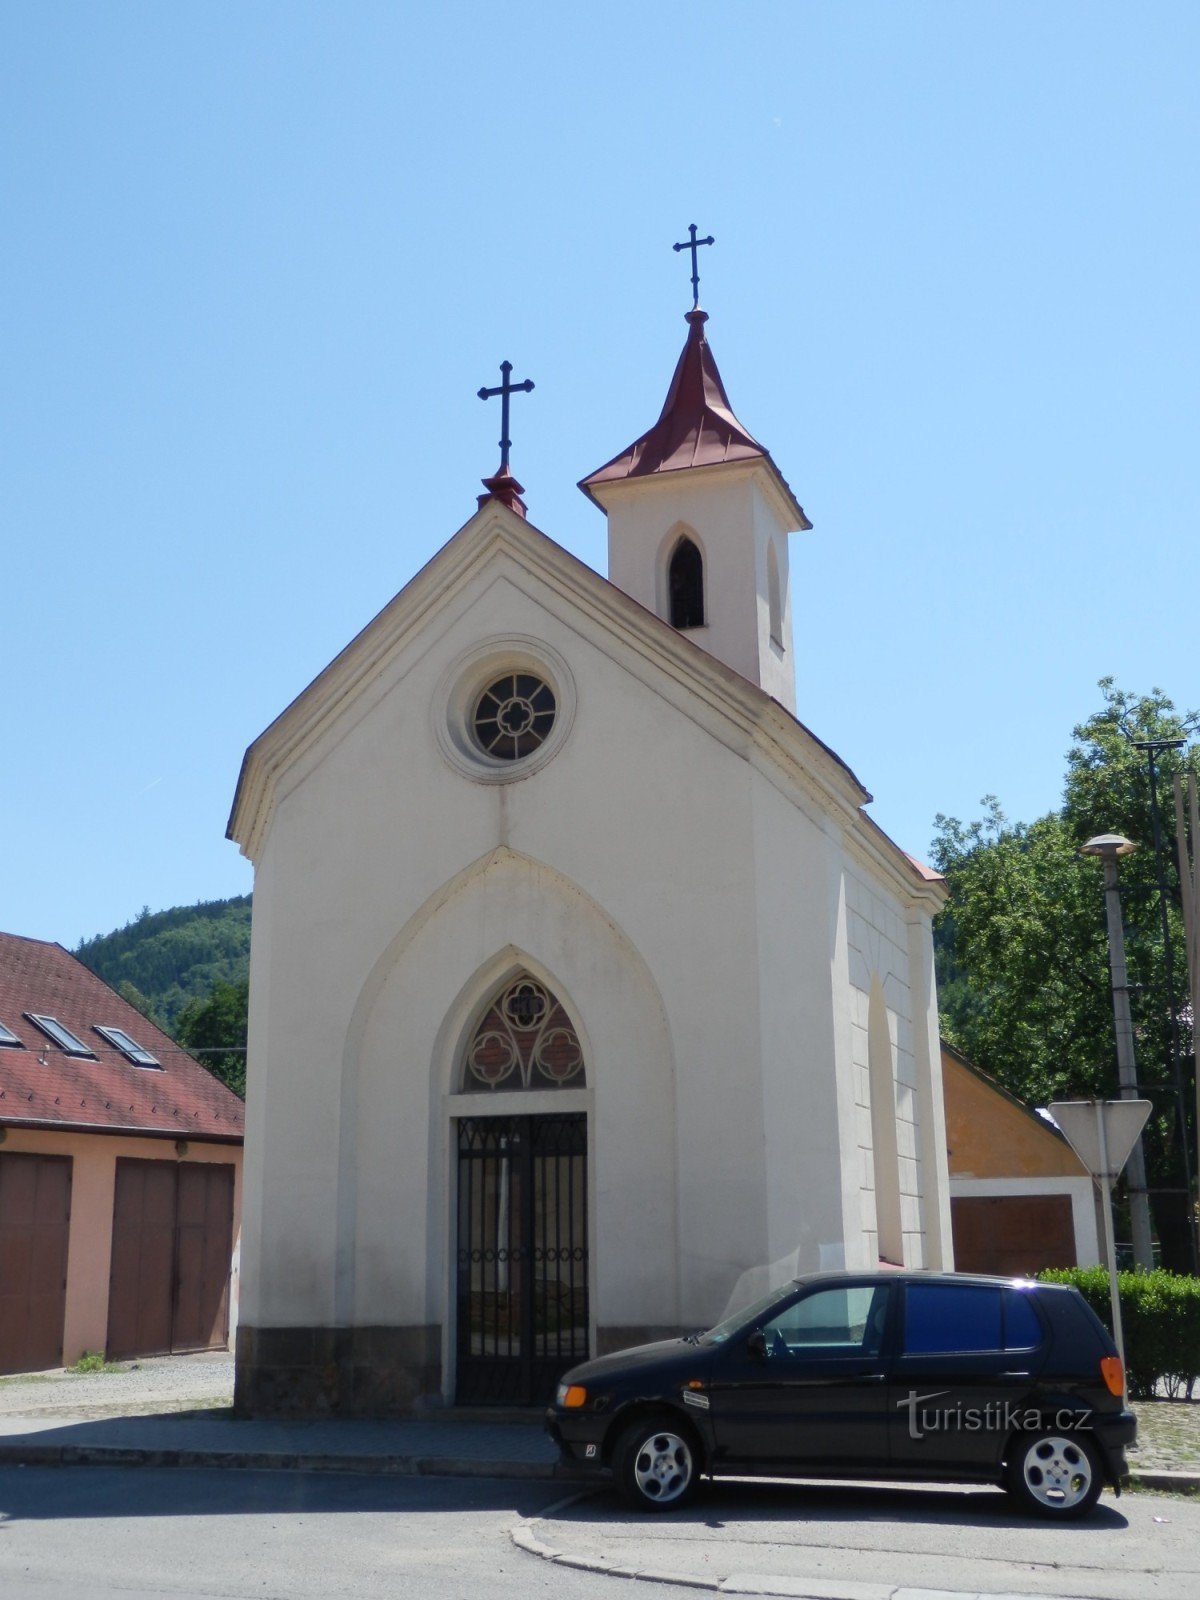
x: 525, y: 1040
x: 774, y: 596
x: 685, y: 585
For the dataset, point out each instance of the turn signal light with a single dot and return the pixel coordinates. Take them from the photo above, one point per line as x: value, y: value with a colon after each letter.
x: 576, y: 1395
x: 1113, y: 1374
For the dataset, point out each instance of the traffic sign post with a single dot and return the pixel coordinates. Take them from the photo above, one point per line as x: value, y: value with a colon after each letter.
x: 1102, y: 1134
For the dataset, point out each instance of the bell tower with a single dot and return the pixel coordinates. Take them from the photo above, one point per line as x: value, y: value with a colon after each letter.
x: 698, y: 524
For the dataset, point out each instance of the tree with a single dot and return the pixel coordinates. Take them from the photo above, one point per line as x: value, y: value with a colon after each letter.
x: 1023, y: 950
x: 214, y: 1029
x: 131, y: 993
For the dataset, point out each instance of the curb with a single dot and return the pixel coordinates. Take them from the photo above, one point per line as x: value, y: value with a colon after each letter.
x: 766, y: 1588
x: 1164, y: 1478
x: 48, y: 1455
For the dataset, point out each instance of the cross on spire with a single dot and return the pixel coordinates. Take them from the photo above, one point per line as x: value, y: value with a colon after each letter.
x: 693, y: 244
x: 504, y: 388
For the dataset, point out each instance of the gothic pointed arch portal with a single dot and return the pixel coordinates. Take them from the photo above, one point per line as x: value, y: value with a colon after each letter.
x: 522, y: 1203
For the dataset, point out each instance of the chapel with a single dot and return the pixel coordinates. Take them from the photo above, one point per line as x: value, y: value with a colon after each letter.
x: 552, y: 1052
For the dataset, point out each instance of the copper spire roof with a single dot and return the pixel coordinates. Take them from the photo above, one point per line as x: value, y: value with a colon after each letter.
x: 697, y: 427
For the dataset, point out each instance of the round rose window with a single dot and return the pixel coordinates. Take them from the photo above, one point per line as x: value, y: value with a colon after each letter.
x: 513, y: 716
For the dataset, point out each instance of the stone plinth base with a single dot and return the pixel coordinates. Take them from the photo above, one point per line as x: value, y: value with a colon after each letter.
x: 336, y: 1372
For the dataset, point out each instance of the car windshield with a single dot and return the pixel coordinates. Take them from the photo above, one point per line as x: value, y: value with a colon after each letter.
x: 744, y: 1315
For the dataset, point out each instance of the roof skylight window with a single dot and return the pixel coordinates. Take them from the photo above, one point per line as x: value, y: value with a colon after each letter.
x: 61, y: 1034
x: 128, y: 1047
x: 7, y: 1036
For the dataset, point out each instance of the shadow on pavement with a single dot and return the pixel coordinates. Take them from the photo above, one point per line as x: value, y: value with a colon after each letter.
x: 29, y: 1494
x: 732, y: 1500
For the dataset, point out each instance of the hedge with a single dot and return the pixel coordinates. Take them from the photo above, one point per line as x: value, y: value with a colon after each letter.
x: 1161, y: 1316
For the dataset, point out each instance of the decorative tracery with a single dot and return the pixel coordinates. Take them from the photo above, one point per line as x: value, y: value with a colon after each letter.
x: 524, y: 1041
x: 514, y: 715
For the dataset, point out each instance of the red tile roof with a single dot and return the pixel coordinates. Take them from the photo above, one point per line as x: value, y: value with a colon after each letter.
x: 41, y: 1085
x: 697, y: 427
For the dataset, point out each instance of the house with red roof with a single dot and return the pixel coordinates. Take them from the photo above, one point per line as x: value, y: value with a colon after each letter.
x: 120, y: 1174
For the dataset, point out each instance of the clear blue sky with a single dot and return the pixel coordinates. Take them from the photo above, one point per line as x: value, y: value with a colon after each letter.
x: 259, y: 257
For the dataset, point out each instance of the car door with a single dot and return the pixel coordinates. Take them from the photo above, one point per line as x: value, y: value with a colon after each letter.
x: 806, y: 1387
x: 967, y: 1364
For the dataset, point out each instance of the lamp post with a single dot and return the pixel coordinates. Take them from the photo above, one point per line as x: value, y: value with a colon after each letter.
x: 1109, y: 846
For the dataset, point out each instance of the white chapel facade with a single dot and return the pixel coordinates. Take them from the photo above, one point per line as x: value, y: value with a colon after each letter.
x: 586, y: 998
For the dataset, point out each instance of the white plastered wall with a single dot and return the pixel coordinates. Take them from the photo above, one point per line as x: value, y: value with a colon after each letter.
x: 650, y: 857
x: 886, y: 951
x: 732, y: 516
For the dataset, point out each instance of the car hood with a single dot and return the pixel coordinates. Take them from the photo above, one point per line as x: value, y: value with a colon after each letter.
x: 639, y: 1358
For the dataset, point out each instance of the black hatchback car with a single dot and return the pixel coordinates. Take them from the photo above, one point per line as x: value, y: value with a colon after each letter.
x: 922, y: 1376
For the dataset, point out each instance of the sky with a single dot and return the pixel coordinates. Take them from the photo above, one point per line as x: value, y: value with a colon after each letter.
x: 258, y: 258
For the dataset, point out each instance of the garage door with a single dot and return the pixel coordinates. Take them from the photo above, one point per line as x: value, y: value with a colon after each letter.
x: 35, y: 1221
x: 172, y: 1239
x: 1013, y: 1235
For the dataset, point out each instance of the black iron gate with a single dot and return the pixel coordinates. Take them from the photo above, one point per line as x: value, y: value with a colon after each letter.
x: 522, y: 1256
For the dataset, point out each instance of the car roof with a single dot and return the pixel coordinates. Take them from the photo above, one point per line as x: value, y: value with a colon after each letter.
x: 914, y: 1275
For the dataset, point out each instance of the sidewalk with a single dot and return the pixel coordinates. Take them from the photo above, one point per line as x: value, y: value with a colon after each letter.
x: 432, y: 1448
x: 174, y: 1411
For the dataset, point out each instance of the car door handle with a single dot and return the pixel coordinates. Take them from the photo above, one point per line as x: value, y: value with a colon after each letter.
x: 1016, y: 1374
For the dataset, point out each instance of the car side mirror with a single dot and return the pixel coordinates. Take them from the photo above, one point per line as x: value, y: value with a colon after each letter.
x: 756, y: 1345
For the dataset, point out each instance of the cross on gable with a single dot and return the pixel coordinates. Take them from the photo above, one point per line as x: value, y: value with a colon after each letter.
x: 504, y: 388
x: 693, y: 244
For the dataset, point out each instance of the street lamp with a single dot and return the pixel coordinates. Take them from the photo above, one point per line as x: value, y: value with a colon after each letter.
x: 1109, y: 846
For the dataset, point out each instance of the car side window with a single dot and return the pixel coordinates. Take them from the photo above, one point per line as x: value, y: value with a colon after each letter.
x: 946, y: 1318
x: 829, y: 1322
x: 1022, y: 1330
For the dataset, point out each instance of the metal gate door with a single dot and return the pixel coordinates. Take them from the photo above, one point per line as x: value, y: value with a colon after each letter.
x: 522, y: 1256
x: 35, y: 1222
x: 172, y: 1239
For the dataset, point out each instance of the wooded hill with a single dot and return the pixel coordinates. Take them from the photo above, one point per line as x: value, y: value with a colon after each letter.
x: 163, y: 959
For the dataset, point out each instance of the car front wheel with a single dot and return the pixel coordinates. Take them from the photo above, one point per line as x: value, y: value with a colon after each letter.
x: 656, y: 1463
x: 1054, y: 1475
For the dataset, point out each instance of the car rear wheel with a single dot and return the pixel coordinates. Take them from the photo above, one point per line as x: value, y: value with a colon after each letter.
x: 656, y: 1463
x: 1054, y: 1475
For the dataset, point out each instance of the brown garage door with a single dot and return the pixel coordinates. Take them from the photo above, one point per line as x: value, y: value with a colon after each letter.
x: 1014, y: 1235
x: 35, y: 1221
x: 172, y: 1238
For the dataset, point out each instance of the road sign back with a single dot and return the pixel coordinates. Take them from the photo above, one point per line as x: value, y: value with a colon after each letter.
x: 1080, y: 1124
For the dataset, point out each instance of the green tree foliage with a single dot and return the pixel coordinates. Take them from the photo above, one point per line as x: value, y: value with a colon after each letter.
x: 170, y: 957
x: 1022, y: 946
x: 214, y: 1030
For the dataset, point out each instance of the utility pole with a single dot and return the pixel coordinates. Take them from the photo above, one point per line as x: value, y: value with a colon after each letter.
x: 1152, y: 749
x: 1108, y: 846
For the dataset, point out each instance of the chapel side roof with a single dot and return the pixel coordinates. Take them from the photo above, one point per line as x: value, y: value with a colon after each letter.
x: 697, y: 427
x: 41, y: 1085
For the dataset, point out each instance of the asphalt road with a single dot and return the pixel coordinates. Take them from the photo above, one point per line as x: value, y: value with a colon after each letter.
x: 100, y: 1533
x: 754, y: 1537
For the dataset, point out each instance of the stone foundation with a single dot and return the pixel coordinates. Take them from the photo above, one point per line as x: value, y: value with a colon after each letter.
x: 361, y: 1372
x: 336, y: 1372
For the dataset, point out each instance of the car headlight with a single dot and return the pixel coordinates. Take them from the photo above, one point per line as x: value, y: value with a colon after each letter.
x: 570, y: 1396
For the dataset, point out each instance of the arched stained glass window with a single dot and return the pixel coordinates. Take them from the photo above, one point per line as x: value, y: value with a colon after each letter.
x: 525, y: 1041
x: 685, y: 585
